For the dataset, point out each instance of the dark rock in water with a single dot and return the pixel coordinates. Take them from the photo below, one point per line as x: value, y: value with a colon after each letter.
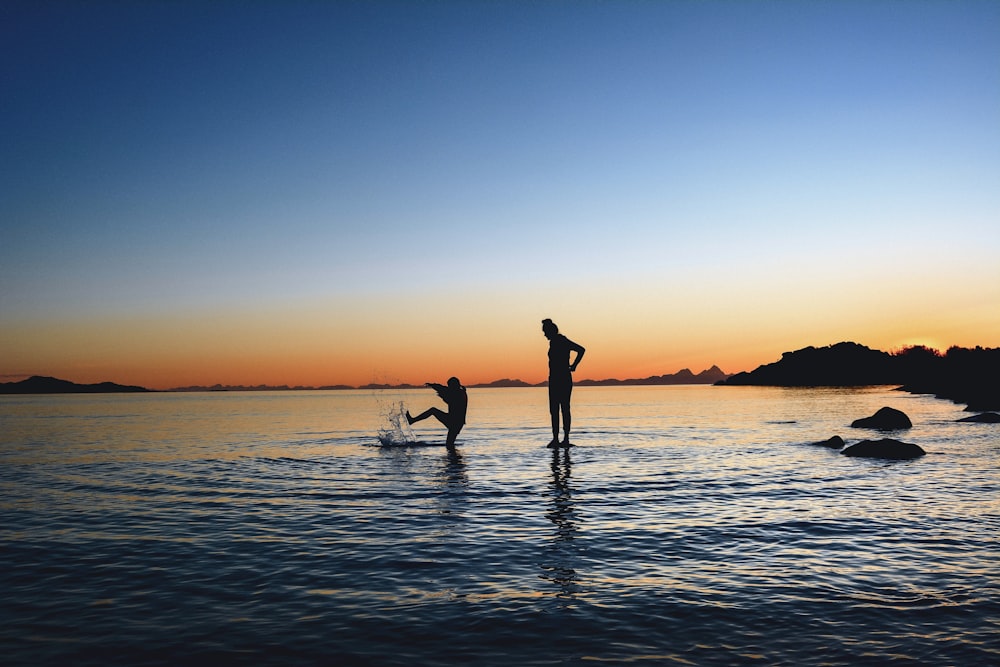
x: 886, y: 419
x: 985, y: 418
x: 836, y: 442
x: 886, y: 448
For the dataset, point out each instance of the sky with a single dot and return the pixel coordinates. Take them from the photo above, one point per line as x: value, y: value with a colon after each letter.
x: 317, y: 193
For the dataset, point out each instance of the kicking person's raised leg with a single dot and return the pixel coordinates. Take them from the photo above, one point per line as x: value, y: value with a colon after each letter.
x: 441, y: 416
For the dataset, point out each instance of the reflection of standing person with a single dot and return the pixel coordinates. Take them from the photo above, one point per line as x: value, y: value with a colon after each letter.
x: 562, y: 557
x: 560, y: 378
x: 562, y: 513
x: 458, y: 402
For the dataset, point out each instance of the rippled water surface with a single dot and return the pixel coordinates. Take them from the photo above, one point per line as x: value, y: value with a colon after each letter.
x: 690, y: 525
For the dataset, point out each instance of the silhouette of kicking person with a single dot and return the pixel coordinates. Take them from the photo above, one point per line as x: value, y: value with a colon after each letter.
x: 560, y: 378
x: 455, y: 396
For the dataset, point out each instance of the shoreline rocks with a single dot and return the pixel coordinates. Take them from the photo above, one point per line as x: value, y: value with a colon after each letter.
x: 886, y: 448
x: 985, y: 418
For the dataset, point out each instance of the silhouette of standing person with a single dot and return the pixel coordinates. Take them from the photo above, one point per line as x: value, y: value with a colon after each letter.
x: 455, y: 396
x: 560, y: 378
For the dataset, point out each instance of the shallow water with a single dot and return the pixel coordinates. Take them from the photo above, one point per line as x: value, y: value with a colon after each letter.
x: 690, y: 525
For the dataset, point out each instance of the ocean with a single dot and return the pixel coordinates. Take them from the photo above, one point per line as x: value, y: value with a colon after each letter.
x: 690, y: 525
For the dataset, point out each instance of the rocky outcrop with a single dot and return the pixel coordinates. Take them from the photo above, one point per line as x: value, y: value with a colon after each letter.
x: 962, y: 375
x: 886, y: 448
x: 841, y: 365
x: 886, y: 419
x: 985, y: 418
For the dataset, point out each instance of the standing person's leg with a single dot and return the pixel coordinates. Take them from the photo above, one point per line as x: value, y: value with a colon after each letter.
x: 554, y: 412
x: 567, y: 417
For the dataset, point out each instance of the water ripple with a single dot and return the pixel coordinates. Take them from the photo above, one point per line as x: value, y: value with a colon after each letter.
x: 666, y: 542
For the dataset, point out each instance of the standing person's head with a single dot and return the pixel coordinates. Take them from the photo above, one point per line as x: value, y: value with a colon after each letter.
x: 454, y: 383
x: 549, y: 328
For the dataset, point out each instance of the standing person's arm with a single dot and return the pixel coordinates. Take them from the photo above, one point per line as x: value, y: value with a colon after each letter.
x: 579, y: 349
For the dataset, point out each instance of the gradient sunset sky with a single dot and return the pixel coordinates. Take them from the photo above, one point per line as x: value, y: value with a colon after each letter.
x: 350, y: 192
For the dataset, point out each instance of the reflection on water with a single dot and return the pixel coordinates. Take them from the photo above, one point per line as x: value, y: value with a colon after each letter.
x: 691, y: 525
x: 455, y: 475
x: 454, y: 480
x: 561, y: 556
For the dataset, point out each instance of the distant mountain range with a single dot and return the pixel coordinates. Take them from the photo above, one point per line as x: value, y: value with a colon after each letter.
x: 684, y: 376
x: 962, y: 375
x: 38, y: 384
x: 48, y: 385
x: 258, y: 387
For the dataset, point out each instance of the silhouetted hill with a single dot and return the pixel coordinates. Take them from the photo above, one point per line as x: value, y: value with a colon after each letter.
x: 840, y: 365
x: 38, y: 384
x: 961, y: 375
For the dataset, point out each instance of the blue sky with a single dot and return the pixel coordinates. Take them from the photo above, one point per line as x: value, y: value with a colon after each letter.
x: 163, y: 159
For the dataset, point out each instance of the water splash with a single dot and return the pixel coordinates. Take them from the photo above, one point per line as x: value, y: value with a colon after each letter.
x: 395, y: 429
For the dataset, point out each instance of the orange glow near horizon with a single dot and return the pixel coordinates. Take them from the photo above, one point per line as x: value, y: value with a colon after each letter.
x: 310, y: 347
x: 632, y: 328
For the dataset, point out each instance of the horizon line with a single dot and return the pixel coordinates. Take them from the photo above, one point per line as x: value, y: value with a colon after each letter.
x: 502, y: 383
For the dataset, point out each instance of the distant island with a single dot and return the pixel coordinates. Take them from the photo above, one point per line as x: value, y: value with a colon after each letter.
x: 961, y: 375
x: 38, y: 384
